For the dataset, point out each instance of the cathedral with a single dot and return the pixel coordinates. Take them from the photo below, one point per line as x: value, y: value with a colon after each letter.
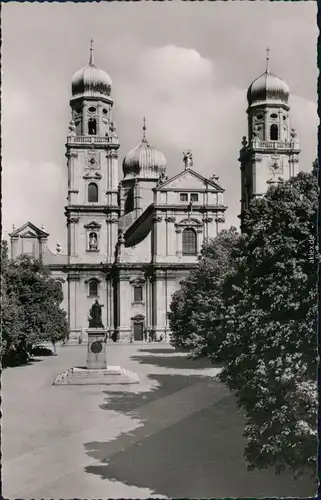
x: 131, y: 241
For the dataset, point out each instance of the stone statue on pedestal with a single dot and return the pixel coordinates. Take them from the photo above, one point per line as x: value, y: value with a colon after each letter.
x: 95, y: 315
x: 188, y: 159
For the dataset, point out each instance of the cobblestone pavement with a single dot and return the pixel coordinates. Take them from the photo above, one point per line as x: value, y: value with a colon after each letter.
x: 177, y: 433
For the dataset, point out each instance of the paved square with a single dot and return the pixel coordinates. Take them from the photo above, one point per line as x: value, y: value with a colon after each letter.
x: 177, y: 433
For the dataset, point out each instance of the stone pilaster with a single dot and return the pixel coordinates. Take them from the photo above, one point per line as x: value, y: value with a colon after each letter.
x: 179, y: 249
x: 155, y: 243
x: 73, y: 287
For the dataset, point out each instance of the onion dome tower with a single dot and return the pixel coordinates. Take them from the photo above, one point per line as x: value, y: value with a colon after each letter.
x: 91, y: 81
x: 92, y: 161
x: 270, y: 153
x: 144, y: 161
x: 143, y: 167
x: 91, y: 102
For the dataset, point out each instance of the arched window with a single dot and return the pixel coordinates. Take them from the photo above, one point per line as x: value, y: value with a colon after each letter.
x: 274, y: 132
x: 92, y: 126
x: 93, y: 288
x: 189, y: 242
x: 92, y: 192
x: 59, y: 284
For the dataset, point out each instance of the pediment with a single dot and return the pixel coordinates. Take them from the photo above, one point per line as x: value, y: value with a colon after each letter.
x: 92, y: 225
x: 190, y: 222
x: 189, y: 180
x: 137, y: 281
x: 28, y: 234
x: 91, y: 175
x: 29, y: 230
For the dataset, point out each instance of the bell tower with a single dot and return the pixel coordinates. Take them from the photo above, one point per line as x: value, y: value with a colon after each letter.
x: 92, y: 161
x: 270, y: 154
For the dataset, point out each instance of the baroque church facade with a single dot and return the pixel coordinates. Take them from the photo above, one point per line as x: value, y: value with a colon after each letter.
x: 131, y: 241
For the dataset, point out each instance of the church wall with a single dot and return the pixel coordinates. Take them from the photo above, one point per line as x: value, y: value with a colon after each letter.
x: 25, y: 246
x: 125, y: 308
x: 62, y: 278
x: 81, y: 302
x: 138, y: 253
x: 80, y: 239
x: 167, y: 283
x: 146, y: 193
x: 168, y: 235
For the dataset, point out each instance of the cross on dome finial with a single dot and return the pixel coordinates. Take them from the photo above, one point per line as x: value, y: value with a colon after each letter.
x: 144, y: 129
x: 267, y: 59
x: 91, y: 57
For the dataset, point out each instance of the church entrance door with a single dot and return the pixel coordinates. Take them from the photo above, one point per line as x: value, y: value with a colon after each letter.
x: 138, y: 331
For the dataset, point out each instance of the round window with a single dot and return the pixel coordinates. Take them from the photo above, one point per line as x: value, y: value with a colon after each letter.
x: 274, y: 115
x: 259, y: 117
x: 92, y: 109
x: 105, y: 111
x: 284, y: 117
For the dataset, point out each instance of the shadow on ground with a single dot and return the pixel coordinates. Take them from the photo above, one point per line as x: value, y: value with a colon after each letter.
x: 201, y: 456
x: 128, y: 402
x: 179, y: 362
x: 159, y: 350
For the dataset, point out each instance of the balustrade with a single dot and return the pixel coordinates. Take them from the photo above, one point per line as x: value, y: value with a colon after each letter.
x: 273, y: 144
x: 85, y: 139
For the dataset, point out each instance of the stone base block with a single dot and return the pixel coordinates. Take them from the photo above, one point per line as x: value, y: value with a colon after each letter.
x: 113, y: 375
x: 96, y: 349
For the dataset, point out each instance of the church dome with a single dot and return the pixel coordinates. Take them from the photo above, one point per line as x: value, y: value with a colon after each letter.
x: 91, y: 80
x: 144, y: 161
x: 267, y: 87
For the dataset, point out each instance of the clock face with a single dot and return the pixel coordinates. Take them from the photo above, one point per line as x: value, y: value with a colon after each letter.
x: 96, y: 347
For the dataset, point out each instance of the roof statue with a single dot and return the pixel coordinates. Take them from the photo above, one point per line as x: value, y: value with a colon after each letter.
x: 188, y: 159
x: 214, y: 178
x: 72, y: 128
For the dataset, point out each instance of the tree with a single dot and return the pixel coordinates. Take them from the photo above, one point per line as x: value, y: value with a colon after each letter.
x: 10, y: 312
x: 269, y: 341
x: 32, y: 305
x: 196, y: 308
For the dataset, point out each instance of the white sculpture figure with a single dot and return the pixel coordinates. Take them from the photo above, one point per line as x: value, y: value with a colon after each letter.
x: 188, y: 159
x: 72, y: 129
x: 92, y: 241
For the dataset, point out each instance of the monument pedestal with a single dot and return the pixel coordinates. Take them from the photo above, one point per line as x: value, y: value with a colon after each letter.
x: 96, y: 371
x: 96, y: 349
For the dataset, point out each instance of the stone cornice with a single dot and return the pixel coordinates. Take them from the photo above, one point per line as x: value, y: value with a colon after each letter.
x: 196, y: 208
x: 101, y: 209
x: 156, y: 266
x: 112, y: 220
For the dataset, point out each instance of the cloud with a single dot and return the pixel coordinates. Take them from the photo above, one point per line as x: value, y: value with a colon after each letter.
x: 35, y: 192
x: 175, y: 88
x: 187, y: 106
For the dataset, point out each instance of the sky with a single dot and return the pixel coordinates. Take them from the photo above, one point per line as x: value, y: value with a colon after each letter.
x: 186, y: 66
